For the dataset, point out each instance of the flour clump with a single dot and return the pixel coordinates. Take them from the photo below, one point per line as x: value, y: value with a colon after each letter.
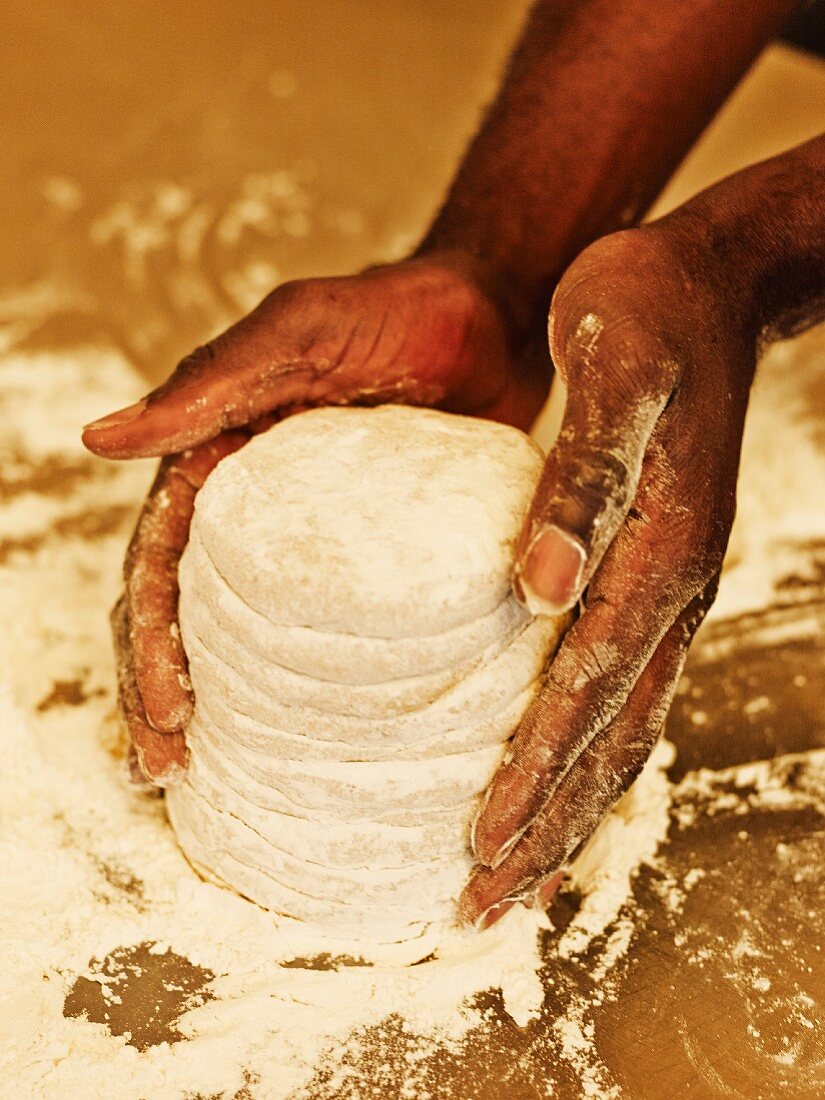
x: 359, y: 664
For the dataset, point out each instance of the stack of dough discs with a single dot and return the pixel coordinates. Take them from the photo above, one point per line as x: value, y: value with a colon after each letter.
x: 359, y: 663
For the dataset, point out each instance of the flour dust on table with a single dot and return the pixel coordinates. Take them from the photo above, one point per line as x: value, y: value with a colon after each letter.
x: 121, y: 966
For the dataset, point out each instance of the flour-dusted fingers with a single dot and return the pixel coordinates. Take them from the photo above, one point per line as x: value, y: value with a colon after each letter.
x: 418, y: 332
x: 151, y: 575
x: 240, y: 376
x: 665, y: 554
x: 160, y: 757
x: 620, y: 373
x: 592, y: 786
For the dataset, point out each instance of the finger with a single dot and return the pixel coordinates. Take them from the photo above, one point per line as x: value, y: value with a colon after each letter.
x: 659, y: 561
x: 160, y: 757
x: 157, y: 654
x: 600, y: 776
x: 280, y: 354
x: 619, y: 383
x: 541, y: 898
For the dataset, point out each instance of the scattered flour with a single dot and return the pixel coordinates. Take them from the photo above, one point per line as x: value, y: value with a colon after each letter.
x: 94, y: 889
x: 91, y: 871
x: 779, y: 513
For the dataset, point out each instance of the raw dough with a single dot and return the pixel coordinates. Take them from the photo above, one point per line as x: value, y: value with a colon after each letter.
x: 347, y: 658
x: 391, y: 522
x: 359, y: 664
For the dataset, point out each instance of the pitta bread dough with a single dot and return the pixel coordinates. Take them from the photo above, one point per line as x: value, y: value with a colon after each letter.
x: 344, y: 658
x: 389, y: 522
x: 359, y: 665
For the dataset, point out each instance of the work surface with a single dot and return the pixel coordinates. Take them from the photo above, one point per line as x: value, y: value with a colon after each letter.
x: 151, y: 206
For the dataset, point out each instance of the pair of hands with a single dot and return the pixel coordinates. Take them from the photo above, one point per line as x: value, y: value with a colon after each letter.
x: 631, y: 516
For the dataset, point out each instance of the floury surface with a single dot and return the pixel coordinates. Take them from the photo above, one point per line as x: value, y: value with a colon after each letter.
x: 165, y: 168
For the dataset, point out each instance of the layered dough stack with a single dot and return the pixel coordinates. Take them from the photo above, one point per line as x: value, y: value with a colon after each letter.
x: 359, y: 663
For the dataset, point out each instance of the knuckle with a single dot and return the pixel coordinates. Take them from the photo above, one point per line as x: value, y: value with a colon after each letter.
x: 607, y: 314
x: 530, y: 770
x: 195, y: 361
x: 694, y: 614
x: 598, y: 471
x: 588, y: 488
x: 287, y: 294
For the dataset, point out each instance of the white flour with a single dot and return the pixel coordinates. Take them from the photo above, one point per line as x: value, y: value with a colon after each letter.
x: 90, y: 870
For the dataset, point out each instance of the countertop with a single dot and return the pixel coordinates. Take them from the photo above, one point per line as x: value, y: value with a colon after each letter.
x: 163, y: 167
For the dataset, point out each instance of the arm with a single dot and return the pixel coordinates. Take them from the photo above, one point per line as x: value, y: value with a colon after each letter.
x: 600, y: 103
x: 657, y: 332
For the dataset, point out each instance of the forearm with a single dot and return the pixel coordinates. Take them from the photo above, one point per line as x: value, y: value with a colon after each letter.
x: 600, y: 102
x: 759, y: 235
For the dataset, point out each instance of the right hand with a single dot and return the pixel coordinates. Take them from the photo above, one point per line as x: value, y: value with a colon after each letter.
x: 421, y: 331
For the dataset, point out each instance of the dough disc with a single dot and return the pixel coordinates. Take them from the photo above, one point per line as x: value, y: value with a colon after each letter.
x: 359, y: 665
x: 389, y: 522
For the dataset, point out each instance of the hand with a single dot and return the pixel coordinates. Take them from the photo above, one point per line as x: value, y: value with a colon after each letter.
x: 633, y: 510
x: 656, y: 332
x: 154, y: 693
x: 420, y: 332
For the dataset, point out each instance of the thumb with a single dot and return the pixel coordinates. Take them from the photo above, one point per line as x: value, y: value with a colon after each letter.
x: 615, y: 398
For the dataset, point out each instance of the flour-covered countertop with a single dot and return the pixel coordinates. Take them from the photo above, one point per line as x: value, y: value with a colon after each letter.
x: 122, y: 972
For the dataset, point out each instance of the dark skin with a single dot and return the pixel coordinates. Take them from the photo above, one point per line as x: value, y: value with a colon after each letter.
x: 655, y: 330
x: 645, y: 484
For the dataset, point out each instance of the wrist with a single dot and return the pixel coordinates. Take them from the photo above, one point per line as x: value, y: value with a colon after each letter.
x: 757, y: 239
x: 521, y: 305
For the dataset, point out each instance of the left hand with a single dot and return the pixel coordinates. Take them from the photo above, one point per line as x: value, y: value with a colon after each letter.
x: 656, y: 332
x: 633, y: 510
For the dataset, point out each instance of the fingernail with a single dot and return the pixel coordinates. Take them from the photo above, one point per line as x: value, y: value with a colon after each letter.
x: 116, y: 419
x: 548, y: 889
x: 495, y: 912
x: 551, y: 574
x: 136, y: 776
x: 473, y: 827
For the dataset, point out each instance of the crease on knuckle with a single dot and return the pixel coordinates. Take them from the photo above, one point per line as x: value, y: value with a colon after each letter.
x: 586, y: 665
x: 192, y: 363
x: 600, y: 471
x: 621, y: 346
x: 533, y: 771
x: 592, y: 490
